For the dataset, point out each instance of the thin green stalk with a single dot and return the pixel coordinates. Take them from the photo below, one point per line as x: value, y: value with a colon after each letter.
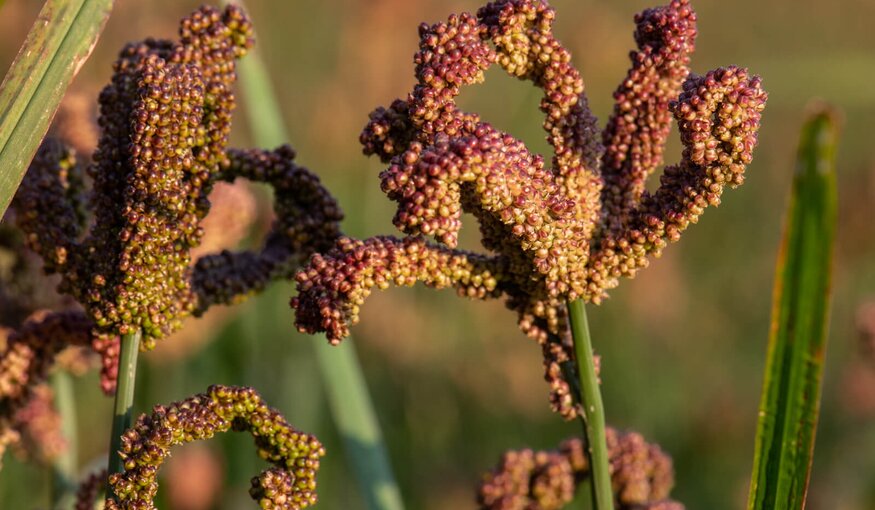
x: 124, y: 397
x: 262, y: 109
x: 64, y: 466
x: 357, y: 422
x: 790, y: 402
x: 57, y: 45
x: 265, y: 122
x: 593, y: 416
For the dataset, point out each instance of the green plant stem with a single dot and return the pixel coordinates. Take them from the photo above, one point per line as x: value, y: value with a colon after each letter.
x: 593, y: 416
x: 355, y: 418
x: 124, y: 398
x: 263, y: 111
x: 64, y: 466
x: 57, y: 45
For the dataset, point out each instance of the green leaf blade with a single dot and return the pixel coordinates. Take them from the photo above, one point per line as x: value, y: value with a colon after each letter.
x: 32, y: 61
x: 57, y: 45
x: 790, y: 401
x: 356, y: 420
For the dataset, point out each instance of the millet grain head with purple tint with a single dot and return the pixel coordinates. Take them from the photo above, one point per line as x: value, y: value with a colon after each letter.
x: 165, y: 120
x: 553, y: 232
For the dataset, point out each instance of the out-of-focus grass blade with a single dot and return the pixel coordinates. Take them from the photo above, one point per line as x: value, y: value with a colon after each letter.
x: 64, y: 466
x: 357, y: 423
x: 342, y: 376
x: 57, y: 45
x: 265, y: 121
x: 800, y: 317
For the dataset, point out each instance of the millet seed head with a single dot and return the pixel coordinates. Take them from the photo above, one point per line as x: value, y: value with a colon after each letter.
x: 290, y: 483
x: 641, y: 476
x: 165, y: 121
x: 554, y: 232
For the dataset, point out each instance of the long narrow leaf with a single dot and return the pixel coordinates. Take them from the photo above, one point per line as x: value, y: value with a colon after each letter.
x: 346, y: 389
x: 357, y: 422
x: 800, y: 317
x: 58, y: 44
x: 265, y: 121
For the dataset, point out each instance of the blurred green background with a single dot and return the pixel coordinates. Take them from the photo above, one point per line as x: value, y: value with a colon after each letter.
x: 454, y: 382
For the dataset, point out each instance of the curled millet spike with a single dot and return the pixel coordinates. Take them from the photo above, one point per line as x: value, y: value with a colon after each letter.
x: 638, y: 128
x: 143, y: 284
x: 718, y: 116
x: 165, y: 120
x: 52, y: 188
x: 28, y: 353
x: 289, y: 484
x: 271, y: 487
x: 521, y: 31
x: 642, y: 476
x: 335, y: 284
x: 564, y: 230
x: 450, y: 55
x: 389, y: 131
x: 307, y: 221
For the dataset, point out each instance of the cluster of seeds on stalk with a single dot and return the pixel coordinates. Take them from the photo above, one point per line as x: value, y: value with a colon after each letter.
x: 54, y: 188
x: 307, y: 221
x: 638, y: 128
x: 718, y: 116
x: 29, y: 351
x: 641, y: 476
x: 353, y: 268
x: 561, y: 231
x: 271, y: 488
x: 289, y: 484
x: 26, y: 355
x: 165, y: 121
x: 32, y: 341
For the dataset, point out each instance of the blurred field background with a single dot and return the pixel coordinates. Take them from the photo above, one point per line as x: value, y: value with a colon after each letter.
x: 454, y: 382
